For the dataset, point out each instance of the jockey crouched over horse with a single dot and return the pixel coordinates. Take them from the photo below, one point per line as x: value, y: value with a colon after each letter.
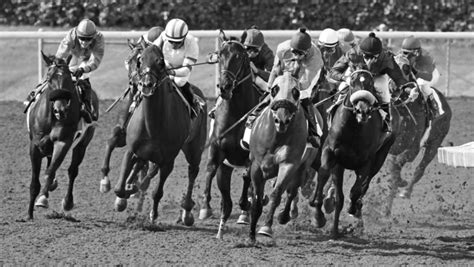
x: 365, y: 151
x: 421, y: 123
x: 86, y: 45
x: 163, y: 104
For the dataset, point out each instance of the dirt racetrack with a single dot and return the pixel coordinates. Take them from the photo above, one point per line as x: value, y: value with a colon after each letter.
x: 435, y: 226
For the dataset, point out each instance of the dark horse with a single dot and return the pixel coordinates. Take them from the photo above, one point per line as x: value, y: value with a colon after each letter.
x: 130, y: 99
x: 55, y: 125
x: 356, y: 142
x: 278, y: 149
x: 238, y: 98
x: 415, y: 133
x: 159, y: 128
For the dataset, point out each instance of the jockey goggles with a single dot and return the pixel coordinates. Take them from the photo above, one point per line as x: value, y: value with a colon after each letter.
x: 85, y: 39
x: 329, y: 50
x: 409, y: 53
x: 368, y: 56
x: 252, y: 49
x: 298, y: 52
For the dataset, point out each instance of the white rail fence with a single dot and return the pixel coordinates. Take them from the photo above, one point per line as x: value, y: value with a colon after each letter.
x: 45, y: 37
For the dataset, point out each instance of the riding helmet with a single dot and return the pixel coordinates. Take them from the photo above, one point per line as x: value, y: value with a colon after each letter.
x: 371, y: 45
x: 176, y: 30
x: 411, y: 43
x: 301, y: 40
x: 152, y: 34
x: 345, y: 36
x: 86, y: 28
x: 328, y: 38
x: 254, y: 38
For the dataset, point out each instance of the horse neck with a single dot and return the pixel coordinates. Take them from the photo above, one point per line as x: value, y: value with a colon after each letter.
x: 161, y: 109
x: 245, y: 97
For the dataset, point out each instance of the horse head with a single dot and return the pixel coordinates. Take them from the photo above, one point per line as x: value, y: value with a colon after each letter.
x: 235, y: 66
x: 132, y: 61
x: 361, y: 94
x: 285, y: 101
x: 60, y: 82
x: 151, y: 70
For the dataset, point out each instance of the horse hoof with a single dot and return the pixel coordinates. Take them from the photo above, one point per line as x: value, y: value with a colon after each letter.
x: 42, y: 202
x: 243, y: 218
x: 120, y: 204
x: 53, y: 185
x: 283, y: 218
x: 266, y: 231
x: 187, y: 218
x: 404, y: 194
x: 67, y: 206
x: 294, y: 213
x: 320, y: 220
x: 205, y: 214
x: 105, y: 185
x: 329, y: 205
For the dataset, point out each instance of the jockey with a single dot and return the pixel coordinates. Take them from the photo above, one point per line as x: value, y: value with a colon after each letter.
x: 261, y: 59
x: 148, y: 38
x: 372, y: 56
x: 261, y: 56
x: 346, y: 39
x: 303, y: 58
x: 425, y: 71
x: 331, y: 51
x: 86, y: 45
x: 180, y: 51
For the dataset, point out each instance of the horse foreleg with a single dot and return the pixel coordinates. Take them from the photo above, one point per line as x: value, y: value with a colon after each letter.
x: 284, y: 216
x: 193, y: 156
x: 244, y: 200
x: 211, y: 170
x: 429, y: 153
x: 59, y: 153
x: 224, y: 174
x: 126, y: 167
x: 286, y: 172
x: 337, y: 177
x: 117, y: 140
x: 258, y: 184
x: 318, y: 195
x: 165, y: 171
x: 35, y: 186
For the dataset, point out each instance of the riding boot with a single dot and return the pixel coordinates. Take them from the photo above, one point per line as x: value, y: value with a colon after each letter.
x: 244, y: 142
x: 212, y: 113
x: 387, y: 125
x: 434, y: 108
x: 308, y: 109
x: 86, y: 107
x: 195, y: 101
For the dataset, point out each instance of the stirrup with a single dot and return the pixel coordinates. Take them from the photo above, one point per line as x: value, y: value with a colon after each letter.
x: 244, y: 145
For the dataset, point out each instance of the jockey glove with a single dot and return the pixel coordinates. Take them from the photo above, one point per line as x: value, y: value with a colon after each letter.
x: 78, y: 73
x: 171, y: 72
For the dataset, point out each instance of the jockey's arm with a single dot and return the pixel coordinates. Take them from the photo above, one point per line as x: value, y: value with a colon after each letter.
x: 276, y: 70
x: 337, y: 72
x: 394, y: 72
x: 425, y: 70
x: 65, y: 47
x: 185, y: 70
x: 96, y: 55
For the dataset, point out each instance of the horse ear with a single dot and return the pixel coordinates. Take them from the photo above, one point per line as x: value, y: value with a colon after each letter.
x: 222, y: 37
x: 46, y: 59
x: 131, y: 44
x: 274, y: 90
x: 243, y: 36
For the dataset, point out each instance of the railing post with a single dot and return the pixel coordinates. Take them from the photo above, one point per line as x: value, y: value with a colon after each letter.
x: 448, y: 66
x: 40, y: 58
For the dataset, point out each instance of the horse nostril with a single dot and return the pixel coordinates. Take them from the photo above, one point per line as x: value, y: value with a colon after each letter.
x: 276, y: 121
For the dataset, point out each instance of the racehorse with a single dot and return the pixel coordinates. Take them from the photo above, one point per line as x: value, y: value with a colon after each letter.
x: 238, y: 98
x: 131, y: 98
x: 415, y: 133
x: 278, y: 149
x: 355, y: 141
x: 159, y: 128
x: 55, y: 125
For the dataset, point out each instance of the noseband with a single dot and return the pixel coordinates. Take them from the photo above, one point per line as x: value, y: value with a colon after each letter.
x: 157, y: 81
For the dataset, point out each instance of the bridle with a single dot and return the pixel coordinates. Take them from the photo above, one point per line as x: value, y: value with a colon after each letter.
x: 236, y: 81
